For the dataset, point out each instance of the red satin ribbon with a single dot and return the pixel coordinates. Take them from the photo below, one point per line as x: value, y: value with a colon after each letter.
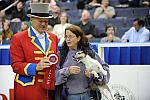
x: 49, y: 78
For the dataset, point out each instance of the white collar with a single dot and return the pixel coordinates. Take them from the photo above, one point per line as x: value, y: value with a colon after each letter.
x: 39, y: 35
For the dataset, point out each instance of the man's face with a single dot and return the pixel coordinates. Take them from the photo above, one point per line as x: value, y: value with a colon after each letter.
x: 105, y: 3
x: 39, y: 24
x: 85, y: 15
x: 136, y: 25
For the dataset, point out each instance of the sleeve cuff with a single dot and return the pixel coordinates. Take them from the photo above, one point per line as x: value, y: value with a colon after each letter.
x: 30, y: 69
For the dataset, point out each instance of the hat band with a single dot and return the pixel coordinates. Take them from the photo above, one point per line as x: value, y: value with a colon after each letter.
x: 41, y: 14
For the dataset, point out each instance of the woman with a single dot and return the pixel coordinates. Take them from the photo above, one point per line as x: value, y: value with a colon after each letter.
x: 6, y: 32
x: 72, y: 74
x: 59, y: 29
x: 110, y: 31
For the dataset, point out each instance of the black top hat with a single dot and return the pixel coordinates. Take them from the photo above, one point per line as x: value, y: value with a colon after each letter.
x: 39, y: 10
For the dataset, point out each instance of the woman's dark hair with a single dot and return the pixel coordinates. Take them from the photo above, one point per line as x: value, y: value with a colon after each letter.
x: 110, y: 25
x: 83, y: 44
x: 64, y: 12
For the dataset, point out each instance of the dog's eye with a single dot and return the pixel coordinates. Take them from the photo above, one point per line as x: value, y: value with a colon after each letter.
x: 79, y: 52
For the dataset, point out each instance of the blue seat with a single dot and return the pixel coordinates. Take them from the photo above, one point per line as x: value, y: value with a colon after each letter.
x: 74, y: 14
x: 120, y: 31
x: 67, y: 5
x: 114, y: 2
x: 129, y: 22
x: 99, y: 23
x: 140, y: 12
x: 118, y: 22
x: 124, y: 12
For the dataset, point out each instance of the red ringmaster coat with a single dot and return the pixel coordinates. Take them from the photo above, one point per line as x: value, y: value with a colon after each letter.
x: 26, y: 51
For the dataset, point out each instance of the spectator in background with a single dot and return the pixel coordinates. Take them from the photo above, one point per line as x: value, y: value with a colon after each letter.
x: 2, y: 14
x: 55, y: 11
x: 81, y: 4
x: 110, y: 31
x: 18, y: 14
x: 137, y: 33
x: 87, y: 4
x: 4, y: 4
x: 130, y: 3
x: 24, y: 25
x: 59, y: 29
x: 93, y: 4
x: 86, y: 25
x: 145, y: 3
x: 6, y: 32
x: 104, y: 11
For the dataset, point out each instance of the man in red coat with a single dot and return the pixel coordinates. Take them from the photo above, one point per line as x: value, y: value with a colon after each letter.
x: 30, y: 51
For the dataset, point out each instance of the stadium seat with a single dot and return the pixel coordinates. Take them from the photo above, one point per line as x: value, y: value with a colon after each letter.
x: 114, y: 2
x: 124, y: 12
x: 140, y: 12
x: 99, y: 23
x: 118, y: 22
x: 67, y: 5
x: 120, y: 31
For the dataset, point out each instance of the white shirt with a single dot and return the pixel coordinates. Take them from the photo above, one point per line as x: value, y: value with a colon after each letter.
x: 41, y: 37
x: 59, y: 29
x: 133, y: 35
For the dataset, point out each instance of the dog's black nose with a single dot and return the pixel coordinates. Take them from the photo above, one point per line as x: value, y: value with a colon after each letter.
x: 73, y: 57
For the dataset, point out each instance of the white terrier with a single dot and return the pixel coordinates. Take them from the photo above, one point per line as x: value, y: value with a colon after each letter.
x: 90, y: 63
x: 96, y: 67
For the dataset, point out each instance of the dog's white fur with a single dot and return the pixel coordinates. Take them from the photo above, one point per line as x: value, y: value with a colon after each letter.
x: 90, y: 63
x: 96, y: 67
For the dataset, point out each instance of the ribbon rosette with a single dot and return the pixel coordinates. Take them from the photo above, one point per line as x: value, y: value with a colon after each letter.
x: 49, y: 77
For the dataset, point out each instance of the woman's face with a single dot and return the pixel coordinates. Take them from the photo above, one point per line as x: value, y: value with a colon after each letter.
x: 71, y: 40
x: 20, y: 5
x: 63, y: 18
x: 110, y: 30
x: 6, y: 26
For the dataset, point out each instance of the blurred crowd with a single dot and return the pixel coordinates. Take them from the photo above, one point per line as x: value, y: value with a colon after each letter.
x: 99, y: 19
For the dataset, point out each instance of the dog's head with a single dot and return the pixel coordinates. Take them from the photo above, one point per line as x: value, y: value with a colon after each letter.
x: 79, y: 55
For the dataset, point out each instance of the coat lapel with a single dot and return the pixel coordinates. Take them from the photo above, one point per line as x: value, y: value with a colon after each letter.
x: 35, y: 40
x: 48, y: 43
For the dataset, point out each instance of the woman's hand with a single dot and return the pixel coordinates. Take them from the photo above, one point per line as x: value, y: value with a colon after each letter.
x: 74, y: 70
